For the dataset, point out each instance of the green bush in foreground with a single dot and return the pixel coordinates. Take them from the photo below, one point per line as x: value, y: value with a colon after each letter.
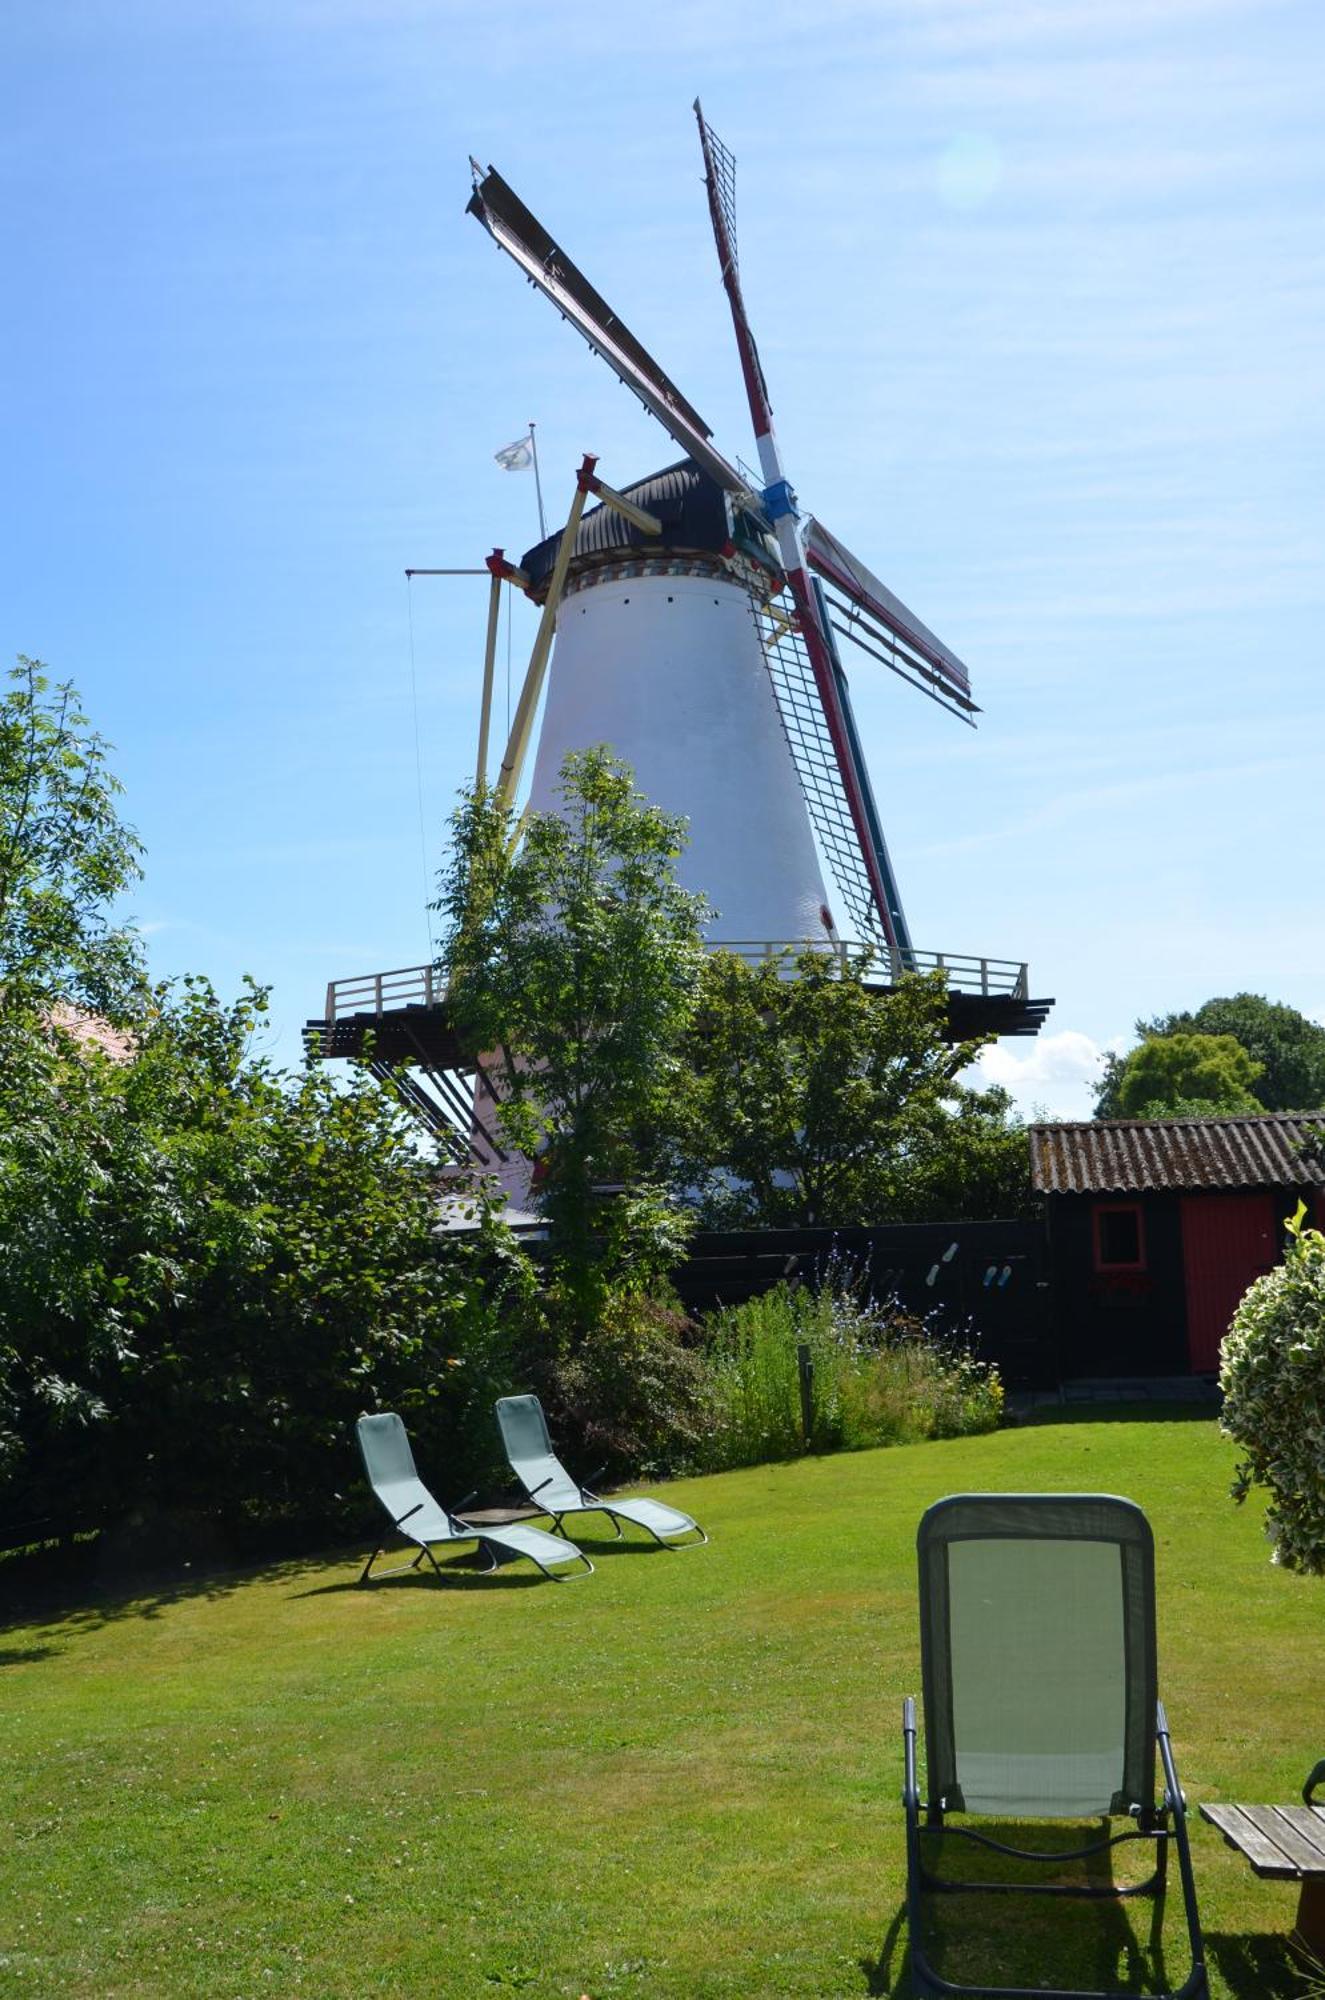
x: 1272, y: 1373
x: 208, y: 1268
x: 881, y: 1376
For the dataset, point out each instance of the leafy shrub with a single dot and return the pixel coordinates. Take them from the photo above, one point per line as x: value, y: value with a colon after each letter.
x: 208, y: 1269
x: 881, y: 1375
x: 627, y: 1396
x: 1272, y: 1373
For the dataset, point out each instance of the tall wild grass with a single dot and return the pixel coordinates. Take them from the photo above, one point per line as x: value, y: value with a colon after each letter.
x: 881, y: 1376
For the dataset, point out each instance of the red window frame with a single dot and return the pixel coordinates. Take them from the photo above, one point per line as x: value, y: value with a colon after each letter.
x: 1103, y: 1208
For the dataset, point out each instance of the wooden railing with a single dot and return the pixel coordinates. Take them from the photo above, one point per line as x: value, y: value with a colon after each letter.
x: 383, y: 992
x: 425, y: 985
x: 987, y: 976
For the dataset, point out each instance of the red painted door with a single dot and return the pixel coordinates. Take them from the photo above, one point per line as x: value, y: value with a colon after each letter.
x: 1227, y: 1240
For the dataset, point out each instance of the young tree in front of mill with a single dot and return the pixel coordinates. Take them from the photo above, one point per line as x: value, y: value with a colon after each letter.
x: 820, y: 1102
x: 574, y: 960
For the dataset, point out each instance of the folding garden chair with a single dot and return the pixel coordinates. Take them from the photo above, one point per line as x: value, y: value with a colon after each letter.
x: 546, y: 1480
x: 1037, y: 1630
x: 389, y: 1467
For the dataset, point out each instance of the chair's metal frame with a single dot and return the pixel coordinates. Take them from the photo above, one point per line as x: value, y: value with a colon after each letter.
x: 465, y: 1531
x: 1152, y: 1823
x: 591, y: 1503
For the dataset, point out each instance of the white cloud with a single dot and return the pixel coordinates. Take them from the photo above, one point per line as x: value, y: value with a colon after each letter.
x: 1054, y: 1078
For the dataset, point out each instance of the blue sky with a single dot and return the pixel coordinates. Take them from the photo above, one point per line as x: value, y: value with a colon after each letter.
x: 1040, y: 292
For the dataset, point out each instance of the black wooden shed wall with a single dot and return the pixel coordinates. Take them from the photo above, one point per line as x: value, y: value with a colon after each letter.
x: 1211, y: 1195
x: 983, y: 1281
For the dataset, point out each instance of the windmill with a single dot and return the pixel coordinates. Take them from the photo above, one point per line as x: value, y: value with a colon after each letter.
x: 692, y: 622
x: 818, y: 590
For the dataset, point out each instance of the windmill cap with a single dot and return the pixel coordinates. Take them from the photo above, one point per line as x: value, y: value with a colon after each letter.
x: 693, y: 509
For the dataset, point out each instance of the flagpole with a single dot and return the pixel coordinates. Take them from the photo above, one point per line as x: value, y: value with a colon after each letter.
x: 538, y: 484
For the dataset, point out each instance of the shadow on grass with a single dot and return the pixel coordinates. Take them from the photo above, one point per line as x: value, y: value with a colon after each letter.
x: 21, y: 1656
x: 1254, y: 1966
x: 99, y: 1580
x: 605, y: 1547
x: 461, y: 1575
x: 1110, y: 1944
x: 887, y: 1977
x: 453, y: 1576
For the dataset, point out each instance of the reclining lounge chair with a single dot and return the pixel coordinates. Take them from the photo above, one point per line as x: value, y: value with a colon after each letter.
x: 389, y: 1468
x: 546, y: 1480
x: 1037, y: 1629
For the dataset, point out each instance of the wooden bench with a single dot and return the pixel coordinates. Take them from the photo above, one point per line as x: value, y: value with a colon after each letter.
x: 1286, y: 1844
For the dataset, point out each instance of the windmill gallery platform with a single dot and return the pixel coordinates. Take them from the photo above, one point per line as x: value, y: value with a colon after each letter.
x: 399, y: 1021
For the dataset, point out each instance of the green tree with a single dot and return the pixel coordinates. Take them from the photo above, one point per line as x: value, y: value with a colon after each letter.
x: 1181, y: 1075
x: 818, y: 1101
x: 574, y: 960
x: 972, y: 1162
x: 64, y: 858
x: 1289, y: 1047
x: 209, y: 1268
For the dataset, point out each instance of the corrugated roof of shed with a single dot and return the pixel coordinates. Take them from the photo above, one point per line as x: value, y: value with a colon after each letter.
x: 1120, y: 1155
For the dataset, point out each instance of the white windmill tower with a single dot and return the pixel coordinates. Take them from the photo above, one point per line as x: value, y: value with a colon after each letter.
x: 691, y: 622
x: 658, y: 654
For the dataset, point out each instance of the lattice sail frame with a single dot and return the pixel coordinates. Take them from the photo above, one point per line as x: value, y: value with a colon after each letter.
x: 724, y: 170
x: 796, y: 692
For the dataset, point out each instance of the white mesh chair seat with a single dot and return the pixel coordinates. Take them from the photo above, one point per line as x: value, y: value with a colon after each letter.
x: 546, y: 1481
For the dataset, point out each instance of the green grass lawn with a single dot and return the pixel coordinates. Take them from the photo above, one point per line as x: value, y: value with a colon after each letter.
x: 678, y: 1778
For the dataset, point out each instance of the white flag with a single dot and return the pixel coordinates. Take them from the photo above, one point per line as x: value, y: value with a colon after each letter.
x: 517, y: 457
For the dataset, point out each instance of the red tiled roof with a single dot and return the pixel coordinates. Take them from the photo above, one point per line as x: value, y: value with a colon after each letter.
x: 92, y: 1031
x: 1108, y: 1155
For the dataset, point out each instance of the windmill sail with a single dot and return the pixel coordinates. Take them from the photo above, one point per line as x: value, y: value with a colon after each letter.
x: 817, y: 768
x: 780, y: 506
x: 881, y: 625
x: 520, y: 234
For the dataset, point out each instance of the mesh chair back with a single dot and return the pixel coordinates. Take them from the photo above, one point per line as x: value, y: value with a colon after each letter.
x: 1037, y: 1623
x: 388, y: 1464
x: 524, y: 1433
